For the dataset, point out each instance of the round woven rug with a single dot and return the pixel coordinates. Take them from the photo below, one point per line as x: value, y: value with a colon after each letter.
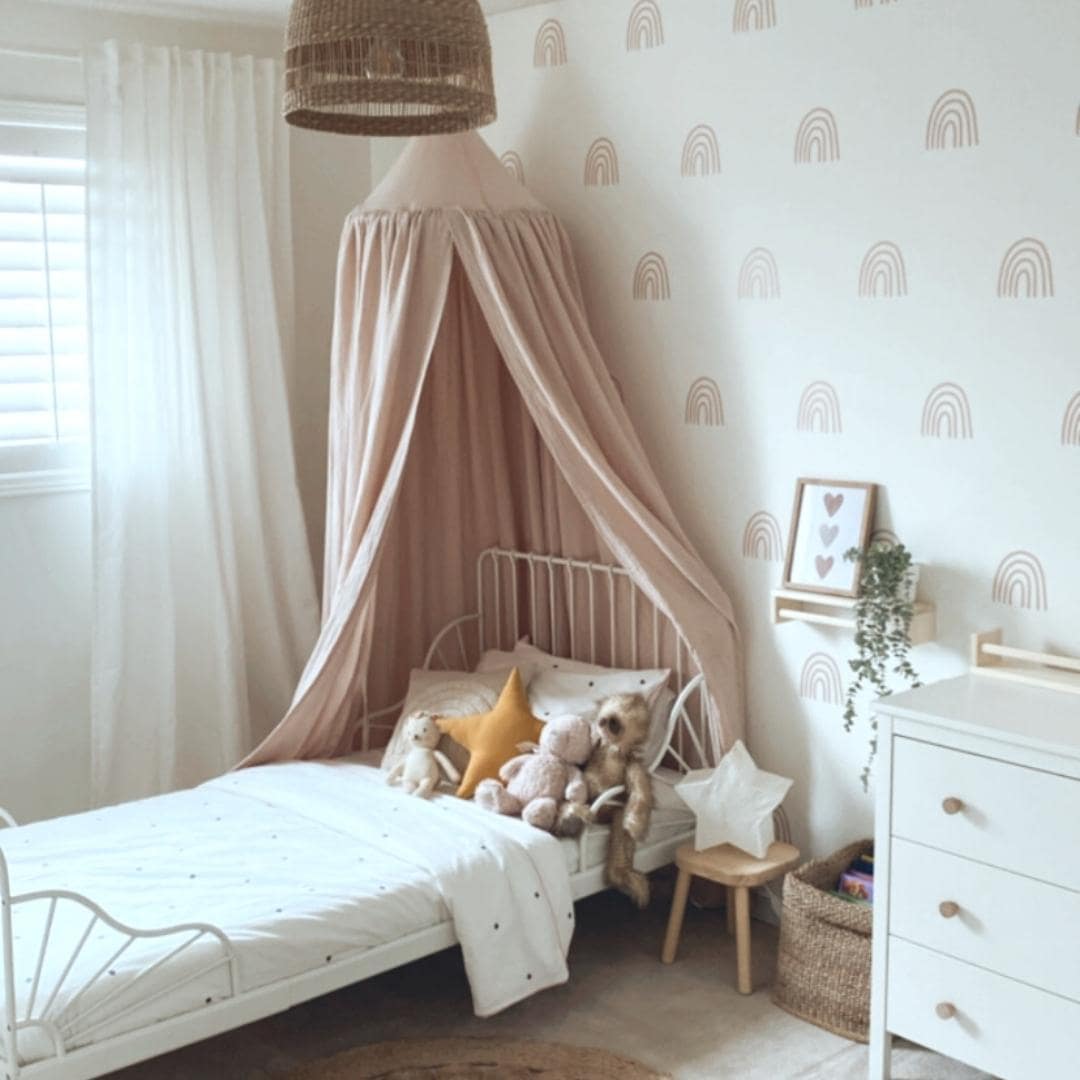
x: 474, y: 1059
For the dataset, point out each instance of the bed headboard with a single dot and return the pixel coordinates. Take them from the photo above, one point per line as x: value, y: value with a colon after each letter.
x: 584, y: 611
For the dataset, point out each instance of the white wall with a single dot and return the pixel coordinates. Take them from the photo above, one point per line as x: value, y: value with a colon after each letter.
x: 961, y: 504
x: 45, y: 539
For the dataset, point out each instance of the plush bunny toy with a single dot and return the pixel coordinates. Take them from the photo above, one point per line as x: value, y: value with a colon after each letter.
x: 418, y: 773
x: 545, y: 787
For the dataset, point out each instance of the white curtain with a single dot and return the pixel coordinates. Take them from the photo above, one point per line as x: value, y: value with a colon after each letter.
x: 205, y: 607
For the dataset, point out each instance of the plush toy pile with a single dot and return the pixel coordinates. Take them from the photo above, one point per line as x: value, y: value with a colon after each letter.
x: 549, y: 790
x: 554, y: 785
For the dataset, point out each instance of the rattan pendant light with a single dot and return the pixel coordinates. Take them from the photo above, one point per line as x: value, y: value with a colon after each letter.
x: 388, y: 67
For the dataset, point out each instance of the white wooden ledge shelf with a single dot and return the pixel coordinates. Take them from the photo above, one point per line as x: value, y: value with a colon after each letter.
x: 793, y: 605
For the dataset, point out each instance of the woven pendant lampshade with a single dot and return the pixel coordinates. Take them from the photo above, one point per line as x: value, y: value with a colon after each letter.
x: 388, y: 67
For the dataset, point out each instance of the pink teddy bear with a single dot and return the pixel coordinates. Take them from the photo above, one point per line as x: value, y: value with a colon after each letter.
x: 546, y: 788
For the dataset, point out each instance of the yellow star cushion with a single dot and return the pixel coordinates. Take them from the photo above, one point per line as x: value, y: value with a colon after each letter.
x: 492, y: 738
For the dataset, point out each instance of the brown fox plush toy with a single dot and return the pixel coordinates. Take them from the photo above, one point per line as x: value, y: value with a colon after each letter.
x: 622, y: 725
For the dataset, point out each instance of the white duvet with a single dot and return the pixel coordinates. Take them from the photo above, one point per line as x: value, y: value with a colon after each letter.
x: 297, y: 864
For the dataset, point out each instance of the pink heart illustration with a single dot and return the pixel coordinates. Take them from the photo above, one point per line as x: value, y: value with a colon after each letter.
x: 828, y: 534
x: 823, y: 565
x: 833, y: 503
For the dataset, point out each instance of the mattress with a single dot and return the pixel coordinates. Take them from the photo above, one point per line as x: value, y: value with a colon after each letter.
x: 293, y: 889
x: 665, y: 825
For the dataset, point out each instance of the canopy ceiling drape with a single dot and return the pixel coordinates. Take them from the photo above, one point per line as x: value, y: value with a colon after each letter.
x: 470, y: 406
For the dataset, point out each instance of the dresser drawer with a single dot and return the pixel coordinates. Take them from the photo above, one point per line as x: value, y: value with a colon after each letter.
x: 1001, y: 1026
x: 1006, y: 815
x: 1002, y: 921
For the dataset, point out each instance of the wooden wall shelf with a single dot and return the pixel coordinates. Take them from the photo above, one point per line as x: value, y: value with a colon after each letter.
x: 990, y: 656
x: 793, y: 605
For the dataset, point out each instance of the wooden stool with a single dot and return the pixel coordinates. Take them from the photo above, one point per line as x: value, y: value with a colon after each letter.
x: 739, y: 872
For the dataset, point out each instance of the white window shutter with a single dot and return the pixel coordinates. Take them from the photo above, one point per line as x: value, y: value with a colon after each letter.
x: 44, y: 373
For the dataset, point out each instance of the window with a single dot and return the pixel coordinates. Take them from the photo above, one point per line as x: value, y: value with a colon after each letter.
x: 44, y: 394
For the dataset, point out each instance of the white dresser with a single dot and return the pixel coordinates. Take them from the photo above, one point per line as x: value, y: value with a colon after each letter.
x: 977, y: 877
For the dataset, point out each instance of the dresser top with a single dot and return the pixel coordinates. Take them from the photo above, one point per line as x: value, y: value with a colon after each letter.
x: 984, y: 705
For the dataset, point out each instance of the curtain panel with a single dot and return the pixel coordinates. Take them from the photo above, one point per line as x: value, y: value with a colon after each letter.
x: 204, y: 595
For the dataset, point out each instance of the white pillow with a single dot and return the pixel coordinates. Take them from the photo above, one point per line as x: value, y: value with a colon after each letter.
x: 544, y: 660
x: 658, y: 719
x: 665, y: 797
x: 497, y: 660
x: 660, y: 696
x: 450, y: 693
x: 556, y: 692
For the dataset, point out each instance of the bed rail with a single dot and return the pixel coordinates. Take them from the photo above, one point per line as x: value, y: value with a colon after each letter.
x: 582, y: 610
x: 7, y: 943
x: 595, y: 612
x: 62, y: 1020
x: 587, y: 611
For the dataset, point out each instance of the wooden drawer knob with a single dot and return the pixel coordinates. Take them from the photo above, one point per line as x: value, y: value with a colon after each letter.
x: 946, y: 1010
x: 952, y: 805
x: 949, y: 909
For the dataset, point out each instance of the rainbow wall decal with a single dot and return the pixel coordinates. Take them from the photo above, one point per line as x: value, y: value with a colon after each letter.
x: 1020, y: 581
x: 762, y: 539
x: 758, y: 276
x: 885, y: 537
x: 1070, y: 425
x: 645, y: 27
x: 820, y: 679
x: 819, y: 410
x: 512, y: 163
x: 601, y: 164
x: 953, y: 123
x: 1026, y: 271
x: 704, y: 405
x: 817, y: 139
x: 882, y: 273
x: 753, y: 15
x: 701, y: 152
x: 651, y: 280
x: 946, y: 413
x: 549, y: 49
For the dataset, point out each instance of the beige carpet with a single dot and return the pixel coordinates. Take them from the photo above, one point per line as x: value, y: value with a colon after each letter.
x: 474, y: 1059
x: 908, y: 1063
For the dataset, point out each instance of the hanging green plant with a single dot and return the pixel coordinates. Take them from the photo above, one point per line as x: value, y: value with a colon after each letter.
x: 883, y: 613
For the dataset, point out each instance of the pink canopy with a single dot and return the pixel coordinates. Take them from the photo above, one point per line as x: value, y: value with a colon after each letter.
x: 470, y: 407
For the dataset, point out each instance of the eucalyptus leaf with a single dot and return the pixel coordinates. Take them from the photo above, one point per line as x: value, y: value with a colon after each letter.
x: 882, y: 640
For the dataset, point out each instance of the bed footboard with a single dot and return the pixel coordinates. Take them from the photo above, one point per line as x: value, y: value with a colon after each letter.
x: 64, y: 1007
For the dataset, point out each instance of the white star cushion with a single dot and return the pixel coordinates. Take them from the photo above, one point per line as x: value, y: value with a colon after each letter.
x: 734, y: 802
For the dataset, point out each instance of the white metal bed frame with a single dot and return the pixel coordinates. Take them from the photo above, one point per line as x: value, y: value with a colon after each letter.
x: 518, y: 593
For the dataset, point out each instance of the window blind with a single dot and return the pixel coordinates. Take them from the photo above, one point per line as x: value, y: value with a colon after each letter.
x: 44, y: 395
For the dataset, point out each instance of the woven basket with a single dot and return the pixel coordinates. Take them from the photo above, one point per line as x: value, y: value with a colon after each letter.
x: 388, y: 67
x: 823, y: 970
